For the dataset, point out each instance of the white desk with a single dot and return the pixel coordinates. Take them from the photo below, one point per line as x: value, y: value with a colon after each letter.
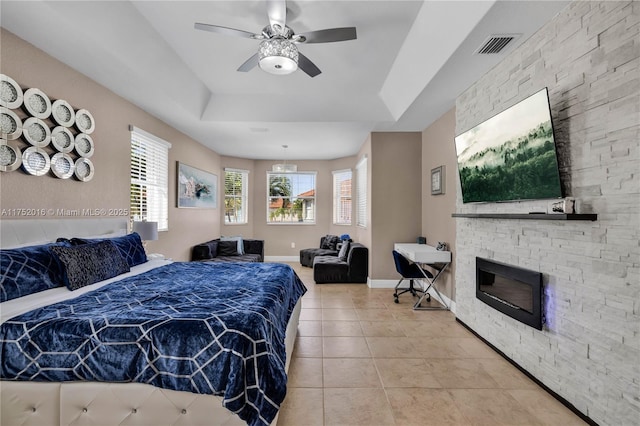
x: 437, y: 260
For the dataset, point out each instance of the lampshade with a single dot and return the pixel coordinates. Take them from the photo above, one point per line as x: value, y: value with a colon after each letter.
x: 278, y: 56
x: 148, y: 231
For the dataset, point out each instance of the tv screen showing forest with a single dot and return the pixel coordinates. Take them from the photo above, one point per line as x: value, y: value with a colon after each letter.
x: 511, y: 156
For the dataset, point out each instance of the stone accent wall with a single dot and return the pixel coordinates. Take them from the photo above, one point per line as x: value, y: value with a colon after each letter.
x: 589, y: 350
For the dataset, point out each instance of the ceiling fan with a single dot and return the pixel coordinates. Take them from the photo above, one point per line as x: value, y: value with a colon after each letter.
x: 278, y: 53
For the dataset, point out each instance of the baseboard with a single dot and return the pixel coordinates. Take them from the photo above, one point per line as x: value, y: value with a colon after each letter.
x: 282, y: 258
x: 381, y: 283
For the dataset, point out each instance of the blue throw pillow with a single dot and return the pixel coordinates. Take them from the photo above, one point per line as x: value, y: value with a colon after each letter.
x: 89, y: 263
x: 130, y: 247
x: 28, y: 270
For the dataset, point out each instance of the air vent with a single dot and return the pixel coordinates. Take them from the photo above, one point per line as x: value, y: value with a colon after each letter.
x: 496, y: 43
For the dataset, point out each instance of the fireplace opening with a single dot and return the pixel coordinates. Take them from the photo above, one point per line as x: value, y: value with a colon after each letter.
x: 514, y: 291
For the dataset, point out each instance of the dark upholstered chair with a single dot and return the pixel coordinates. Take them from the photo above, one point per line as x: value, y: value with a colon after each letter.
x: 328, y: 247
x: 353, y: 269
x: 408, y: 271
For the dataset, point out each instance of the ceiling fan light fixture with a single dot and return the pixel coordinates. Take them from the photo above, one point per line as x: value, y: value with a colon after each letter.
x: 278, y: 56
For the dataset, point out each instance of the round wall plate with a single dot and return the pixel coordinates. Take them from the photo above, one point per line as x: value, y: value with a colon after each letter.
x: 36, y: 161
x: 84, y: 169
x: 62, y: 113
x: 62, y: 165
x: 37, y: 103
x: 11, y: 94
x: 10, y: 156
x: 36, y: 132
x: 10, y: 124
x: 84, y: 145
x: 84, y: 121
x: 62, y: 139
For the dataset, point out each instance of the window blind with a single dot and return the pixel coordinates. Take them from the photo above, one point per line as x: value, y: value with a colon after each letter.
x: 235, y: 195
x: 342, y: 197
x: 149, y: 178
x: 361, y: 192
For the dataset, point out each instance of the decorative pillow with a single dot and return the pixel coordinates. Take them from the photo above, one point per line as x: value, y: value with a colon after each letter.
x: 344, y: 251
x: 28, y: 270
x: 228, y: 248
x: 330, y: 242
x: 89, y: 263
x: 238, y: 239
x: 130, y: 247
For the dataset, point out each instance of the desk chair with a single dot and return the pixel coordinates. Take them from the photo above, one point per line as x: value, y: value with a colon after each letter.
x: 409, y: 271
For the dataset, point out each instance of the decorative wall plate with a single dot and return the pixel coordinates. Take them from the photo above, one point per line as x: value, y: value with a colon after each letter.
x: 84, y: 121
x: 84, y: 169
x: 62, y: 113
x: 11, y: 94
x: 62, y: 139
x: 84, y: 145
x: 37, y: 103
x: 10, y: 124
x: 36, y: 161
x: 62, y: 165
x: 10, y: 156
x: 36, y: 132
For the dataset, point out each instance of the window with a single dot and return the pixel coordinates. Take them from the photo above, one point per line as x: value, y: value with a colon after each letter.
x: 342, y: 197
x: 361, y: 176
x: 235, y: 196
x: 149, y: 178
x: 291, y: 197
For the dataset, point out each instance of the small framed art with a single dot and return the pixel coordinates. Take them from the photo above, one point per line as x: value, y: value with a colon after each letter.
x: 437, y: 180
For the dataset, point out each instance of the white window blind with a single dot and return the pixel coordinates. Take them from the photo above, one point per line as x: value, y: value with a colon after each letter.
x: 291, y: 198
x: 342, y: 197
x: 149, y: 178
x: 235, y: 195
x: 361, y: 192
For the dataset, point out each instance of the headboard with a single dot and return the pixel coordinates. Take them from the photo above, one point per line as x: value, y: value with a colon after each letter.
x: 15, y: 233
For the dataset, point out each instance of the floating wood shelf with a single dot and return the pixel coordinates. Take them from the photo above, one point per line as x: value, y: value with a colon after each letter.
x: 534, y: 216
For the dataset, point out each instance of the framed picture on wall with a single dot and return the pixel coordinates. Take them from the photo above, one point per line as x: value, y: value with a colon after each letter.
x: 437, y: 180
x: 196, y: 188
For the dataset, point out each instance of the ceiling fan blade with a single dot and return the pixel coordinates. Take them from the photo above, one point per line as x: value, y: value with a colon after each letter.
x: 249, y: 64
x: 277, y: 12
x: 307, y: 66
x: 328, y: 35
x: 223, y: 30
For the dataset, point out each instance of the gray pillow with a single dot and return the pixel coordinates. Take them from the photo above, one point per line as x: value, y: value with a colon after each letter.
x: 344, y: 251
x: 228, y: 248
x: 89, y: 263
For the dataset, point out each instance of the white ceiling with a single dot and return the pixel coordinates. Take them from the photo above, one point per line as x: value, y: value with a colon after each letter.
x: 410, y: 61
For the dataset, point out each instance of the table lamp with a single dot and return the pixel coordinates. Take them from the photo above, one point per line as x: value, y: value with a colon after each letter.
x: 148, y: 231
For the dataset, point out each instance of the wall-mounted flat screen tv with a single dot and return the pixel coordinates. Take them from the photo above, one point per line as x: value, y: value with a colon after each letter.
x: 511, y: 156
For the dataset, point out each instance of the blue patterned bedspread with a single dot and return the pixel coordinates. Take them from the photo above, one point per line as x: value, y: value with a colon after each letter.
x: 209, y: 328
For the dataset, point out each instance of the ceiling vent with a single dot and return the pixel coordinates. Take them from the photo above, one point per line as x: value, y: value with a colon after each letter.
x: 496, y: 43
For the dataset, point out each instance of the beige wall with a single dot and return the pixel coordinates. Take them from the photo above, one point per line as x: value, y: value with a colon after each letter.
x: 396, y: 197
x: 109, y: 189
x: 438, y: 149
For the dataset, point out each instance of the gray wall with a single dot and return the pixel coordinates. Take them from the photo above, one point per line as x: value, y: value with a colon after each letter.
x: 589, y: 350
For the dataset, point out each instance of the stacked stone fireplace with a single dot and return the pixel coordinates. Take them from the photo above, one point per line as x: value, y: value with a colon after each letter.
x: 588, y: 349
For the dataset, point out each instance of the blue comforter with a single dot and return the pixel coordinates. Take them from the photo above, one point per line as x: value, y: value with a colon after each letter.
x: 197, y: 327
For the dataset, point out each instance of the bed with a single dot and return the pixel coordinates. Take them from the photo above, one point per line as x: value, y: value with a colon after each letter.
x: 164, y: 343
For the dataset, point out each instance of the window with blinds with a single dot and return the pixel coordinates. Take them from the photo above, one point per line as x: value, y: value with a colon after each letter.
x: 291, y: 198
x: 342, y: 197
x: 149, y: 178
x: 235, y: 196
x: 361, y: 192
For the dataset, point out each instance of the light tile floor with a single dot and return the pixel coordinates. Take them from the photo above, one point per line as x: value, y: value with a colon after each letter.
x: 361, y: 359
